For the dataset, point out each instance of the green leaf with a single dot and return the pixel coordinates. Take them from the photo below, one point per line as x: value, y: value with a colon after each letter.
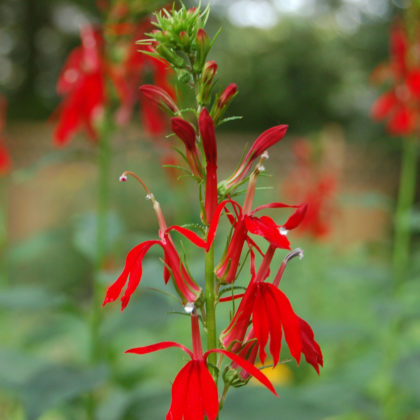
x: 29, y: 298
x: 84, y: 237
x: 55, y: 385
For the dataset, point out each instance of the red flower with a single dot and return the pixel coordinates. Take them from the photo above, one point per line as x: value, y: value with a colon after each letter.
x: 309, y: 181
x: 263, y: 142
x: 194, y: 392
x: 400, y: 105
x: 82, y: 83
x: 5, y: 160
x: 271, y: 314
x: 186, y: 287
x: 208, y: 136
x: 186, y: 132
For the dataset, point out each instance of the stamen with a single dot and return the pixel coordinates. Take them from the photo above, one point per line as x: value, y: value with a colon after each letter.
x: 283, y: 231
x: 265, y: 155
x: 189, y: 308
x: 124, y: 177
x: 298, y: 252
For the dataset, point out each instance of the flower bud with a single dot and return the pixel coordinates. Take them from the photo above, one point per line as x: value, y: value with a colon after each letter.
x: 170, y: 56
x: 184, y: 39
x: 203, y: 47
x: 227, y: 95
x: 159, y: 96
x: 207, y: 77
x: 209, y: 71
x: 219, y: 108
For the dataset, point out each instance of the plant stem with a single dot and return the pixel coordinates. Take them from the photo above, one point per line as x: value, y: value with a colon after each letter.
x: 210, y: 299
x: 101, y: 240
x: 406, y: 196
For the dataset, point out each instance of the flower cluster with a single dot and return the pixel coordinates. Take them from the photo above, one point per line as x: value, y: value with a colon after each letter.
x: 400, y: 105
x: 103, y: 75
x: 5, y: 160
x: 316, y: 184
x: 264, y: 314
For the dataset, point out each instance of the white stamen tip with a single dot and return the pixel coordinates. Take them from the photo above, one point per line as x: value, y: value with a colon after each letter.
x: 189, y: 308
x: 265, y: 155
x: 283, y: 231
x: 261, y: 168
x: 123, y: 178
x: 301, y: 254
x: 148, y: 196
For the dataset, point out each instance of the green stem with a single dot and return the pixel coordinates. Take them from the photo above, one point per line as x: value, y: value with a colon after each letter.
x: 104, y: 158
x: 210, y: 299
x: 406, y: 196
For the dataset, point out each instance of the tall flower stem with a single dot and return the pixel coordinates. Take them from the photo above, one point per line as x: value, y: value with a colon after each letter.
x: 104, y: 160
x: 210, y: 299
x: 406, y: 196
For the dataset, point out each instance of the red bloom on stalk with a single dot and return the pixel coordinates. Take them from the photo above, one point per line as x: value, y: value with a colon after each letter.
x: 400, y: 106
x: 271, y: 314
x: 5, y: 160
x: 81, y: 82
x: 316, y: 184
x: 186, y: 132
x: 263, y: 143
x: 194, y: 392
x: 208, y: 136
x: 131, y: 275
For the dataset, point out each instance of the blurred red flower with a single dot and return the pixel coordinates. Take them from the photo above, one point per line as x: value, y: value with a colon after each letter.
x: 400, y: 105
x: 5, y: 160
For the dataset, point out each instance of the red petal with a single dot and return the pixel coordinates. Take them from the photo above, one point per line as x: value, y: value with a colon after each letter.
x: 208, y: 393
x: 159, y: 346
x: 296, y: 218
x: 267, y: 228
x: 290, y: 323
x: 136, y: 272
x: 208, y: 136
x: 189, y: 234
x: 272, y: 206
x: 413, y: 82
x: 310, y: 347
x: 402, y: 122
x: 180, y: 393
x: 260, y: 321
x: 185, y: 131
x: 267, y: 139
x: 251, y: 369
x: 383, y: 106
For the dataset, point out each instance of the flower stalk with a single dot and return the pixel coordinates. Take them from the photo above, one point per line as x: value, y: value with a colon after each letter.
x: 402, y: 221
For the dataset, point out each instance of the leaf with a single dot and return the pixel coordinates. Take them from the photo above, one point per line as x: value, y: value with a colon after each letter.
x: 84, y: 237
x: 30, y: 298
x: 55, y: 385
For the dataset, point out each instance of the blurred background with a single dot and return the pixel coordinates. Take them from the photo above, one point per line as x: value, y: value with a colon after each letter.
x: 306, y: 63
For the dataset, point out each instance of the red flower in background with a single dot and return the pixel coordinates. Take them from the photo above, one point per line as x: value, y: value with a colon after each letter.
x: 82, y: 83
x: 400, y: 105
x: 316, y: 186
x: 5, y: 160
x: 83, y: 80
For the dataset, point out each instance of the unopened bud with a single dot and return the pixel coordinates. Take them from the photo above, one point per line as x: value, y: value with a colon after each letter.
x: 159, y: 96
x: 209, y: 71
x: 183, y: 37
x: 227, y: 95
x: 203, y: 47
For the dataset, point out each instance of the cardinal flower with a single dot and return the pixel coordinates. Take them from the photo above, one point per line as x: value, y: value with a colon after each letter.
x: 81, y: 82
x: 263, y: 142
x: 400, y: 105
x: 5, y: 160
x: 194, y: 392
x: 272, y: 315
x: 208, y: 137
x: 131, y: 275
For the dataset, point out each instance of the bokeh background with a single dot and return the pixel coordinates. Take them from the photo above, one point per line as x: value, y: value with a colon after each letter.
x: 306, y: 63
